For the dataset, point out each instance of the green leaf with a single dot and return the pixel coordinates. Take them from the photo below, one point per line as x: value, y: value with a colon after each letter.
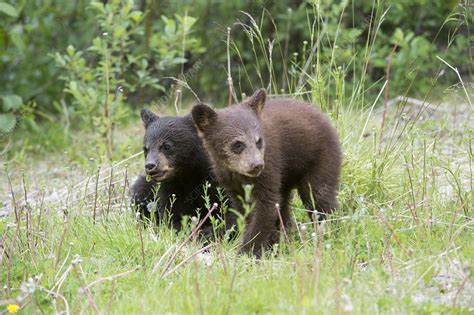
x: 127, y: 7
x: 11, y: 102
x: 70, y: 50
x: 96, y: 44
x: 429, y: 274
x: 73, y: 86
x: 18, y: 37
x: 179, y: 60
x: 159, y: 87
x: 99, y: 6
x: 7, y: 123
x: 170, y: 26
x: 119, y: 31
x: 8, y: 9
x: 59, y: 59
x: 187, y: 22
x: 136, y: 16
x: 398, y: 37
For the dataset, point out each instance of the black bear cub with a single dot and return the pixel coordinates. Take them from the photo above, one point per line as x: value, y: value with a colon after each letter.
x: 178, y: 168
x: 275, y: 145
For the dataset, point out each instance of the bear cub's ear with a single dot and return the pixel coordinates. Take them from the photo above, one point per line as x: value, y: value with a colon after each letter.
x: 148, y: 117
x: 257, y: 101
x: 203, y: 116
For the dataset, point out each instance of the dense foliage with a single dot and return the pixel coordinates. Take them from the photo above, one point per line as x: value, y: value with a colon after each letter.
x: 86, y: 62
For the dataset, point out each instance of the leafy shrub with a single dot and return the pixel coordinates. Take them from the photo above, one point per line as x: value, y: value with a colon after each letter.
x: 149, y: 41
x: 100, y: 78
x: 344, y: 29
x: 114, y: 61
x: 28, y: 33
x: 8, y: 120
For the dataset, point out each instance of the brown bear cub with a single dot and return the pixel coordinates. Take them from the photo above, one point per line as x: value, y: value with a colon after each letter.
x: 178, y: 168
x: 276, y: 146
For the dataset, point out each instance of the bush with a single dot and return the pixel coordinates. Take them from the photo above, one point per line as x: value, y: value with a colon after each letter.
x: 286, y: 46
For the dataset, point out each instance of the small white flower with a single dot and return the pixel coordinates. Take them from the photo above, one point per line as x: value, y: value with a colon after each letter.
x: 348, y: 308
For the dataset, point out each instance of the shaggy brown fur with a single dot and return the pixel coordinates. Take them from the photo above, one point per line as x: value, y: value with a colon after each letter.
x: 275, y: 145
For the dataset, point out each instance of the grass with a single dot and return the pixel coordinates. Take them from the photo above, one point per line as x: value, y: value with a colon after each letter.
x: 397, y: 244
x: 400, y: 242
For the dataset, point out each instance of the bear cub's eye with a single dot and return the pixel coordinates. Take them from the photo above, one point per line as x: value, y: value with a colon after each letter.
x: 259, y: 143
x: 166, y: 147
x: 237, y: 147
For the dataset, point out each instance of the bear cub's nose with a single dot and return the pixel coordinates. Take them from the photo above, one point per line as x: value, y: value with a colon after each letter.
x: 257, y: 167
x: 150, y: 166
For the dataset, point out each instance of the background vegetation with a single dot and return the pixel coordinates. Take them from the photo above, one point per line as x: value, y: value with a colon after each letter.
x: 67, y: 62
x: 395, y: 77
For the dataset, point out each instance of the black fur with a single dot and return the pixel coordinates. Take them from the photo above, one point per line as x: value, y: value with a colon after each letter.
x: 173, y: 145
